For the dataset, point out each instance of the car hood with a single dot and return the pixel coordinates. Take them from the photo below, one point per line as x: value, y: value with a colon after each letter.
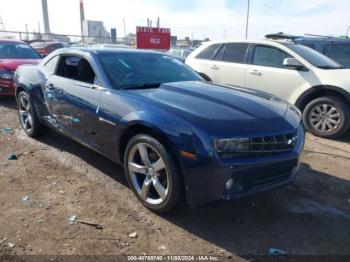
x: 12, y: 64
x: 215, y: 106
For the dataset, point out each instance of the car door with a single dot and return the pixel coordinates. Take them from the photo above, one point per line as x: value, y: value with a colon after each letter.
x: 267, y: 73
x: 73, y: 96
x: 205, y: 62
x: 229, y: 67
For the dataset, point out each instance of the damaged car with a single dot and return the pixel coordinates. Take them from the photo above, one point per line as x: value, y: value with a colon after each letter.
x: 178, y: 137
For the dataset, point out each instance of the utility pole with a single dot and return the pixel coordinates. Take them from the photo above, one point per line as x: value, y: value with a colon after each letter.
x: 45, y: 16
x: 124, y: 28
x: 2, y: 26
x: 27, y: 32
x: 247, y: 24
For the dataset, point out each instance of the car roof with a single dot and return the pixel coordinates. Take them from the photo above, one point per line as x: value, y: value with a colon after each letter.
x: 12, y: 41
x: 44, y: 44
x: 248, y: 41
x: 91, y: 50
x: 319, y: 39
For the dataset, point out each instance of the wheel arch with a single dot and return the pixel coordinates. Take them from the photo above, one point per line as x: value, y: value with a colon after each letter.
x: 143, y: 128
x: 19, y: 89
x: 319, y: 91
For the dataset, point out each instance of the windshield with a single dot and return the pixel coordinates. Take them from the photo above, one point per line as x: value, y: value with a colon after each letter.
x: 313, y: 57
x: 144, y: 70
x: 17, y: 51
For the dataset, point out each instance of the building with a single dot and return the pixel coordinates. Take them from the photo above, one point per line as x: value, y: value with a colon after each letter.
x: 187, y: 42
x: 173, y: 40
x: 96, y: 31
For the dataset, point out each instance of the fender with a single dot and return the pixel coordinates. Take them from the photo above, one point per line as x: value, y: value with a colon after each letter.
x: 158, y: 125
x: 320, y: 89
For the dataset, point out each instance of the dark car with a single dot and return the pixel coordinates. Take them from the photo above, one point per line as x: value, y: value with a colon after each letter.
x: 177, y: 136
x: 180, y: 53
x: 334, y: 47
x: 45, y: 48
x: 12, y: 54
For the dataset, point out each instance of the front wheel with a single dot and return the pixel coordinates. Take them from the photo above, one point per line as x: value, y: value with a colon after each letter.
x: 152, y: 174
x: 327, y: 117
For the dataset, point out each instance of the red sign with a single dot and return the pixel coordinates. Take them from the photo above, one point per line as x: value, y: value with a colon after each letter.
x: 152, y: 38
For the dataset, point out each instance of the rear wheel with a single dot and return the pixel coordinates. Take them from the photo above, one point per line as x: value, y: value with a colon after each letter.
x: 327, y: 117
x: 28, y: 117
x: 152, y: 174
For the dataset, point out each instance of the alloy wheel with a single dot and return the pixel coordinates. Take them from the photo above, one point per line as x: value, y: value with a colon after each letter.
x: 25, y: 113
x: 148, y: 173
x: 324, y: 118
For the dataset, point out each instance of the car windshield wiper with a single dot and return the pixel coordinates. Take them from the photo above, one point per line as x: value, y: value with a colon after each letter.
x: 143, y: 85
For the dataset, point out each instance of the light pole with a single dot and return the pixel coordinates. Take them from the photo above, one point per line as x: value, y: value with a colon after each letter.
x: 347, y: 31
x: 247, y: 24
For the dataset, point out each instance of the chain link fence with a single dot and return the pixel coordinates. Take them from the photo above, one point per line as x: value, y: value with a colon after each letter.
x: 74, y: 40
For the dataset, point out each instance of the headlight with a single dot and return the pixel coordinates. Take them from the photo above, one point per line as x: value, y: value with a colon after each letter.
x: 231, y: 145
x: 6, y: 74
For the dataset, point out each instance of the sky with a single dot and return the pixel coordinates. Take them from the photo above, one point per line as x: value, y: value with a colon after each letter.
x: 216, y: 19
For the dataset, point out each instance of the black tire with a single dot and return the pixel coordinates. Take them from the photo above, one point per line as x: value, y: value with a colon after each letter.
x: 174, y: 184
x: 37, y: 129
x: 311, y: 121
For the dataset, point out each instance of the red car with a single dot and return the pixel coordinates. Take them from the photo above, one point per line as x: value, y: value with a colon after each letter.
x: 45, y: 48
x: 13, y: 54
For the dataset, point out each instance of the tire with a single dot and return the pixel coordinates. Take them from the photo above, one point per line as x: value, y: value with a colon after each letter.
x: 327, y: 117
x: 28, y: 117
x: 144, y: 174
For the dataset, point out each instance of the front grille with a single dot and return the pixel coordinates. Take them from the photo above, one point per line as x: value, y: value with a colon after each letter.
x: 265, y: 145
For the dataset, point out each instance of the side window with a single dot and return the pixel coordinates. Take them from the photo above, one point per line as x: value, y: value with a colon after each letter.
x: 76, y: 68
x: 340, y: 53
x: 209, y: 52
x: 235, y: 52
x: 269, y: 56
x: 50, y: 66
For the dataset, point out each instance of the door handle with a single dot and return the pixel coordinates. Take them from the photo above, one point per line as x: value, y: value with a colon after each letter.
x: 215, y: 67
x: 96, y: 87
x: 255, y: 72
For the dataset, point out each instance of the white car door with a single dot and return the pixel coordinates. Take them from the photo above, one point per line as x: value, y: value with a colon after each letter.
x: 267, y: 73
x: 230, y: 69
x: 204, y: 60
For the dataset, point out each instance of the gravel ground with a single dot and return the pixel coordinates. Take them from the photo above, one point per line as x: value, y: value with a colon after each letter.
x: 62, y: 178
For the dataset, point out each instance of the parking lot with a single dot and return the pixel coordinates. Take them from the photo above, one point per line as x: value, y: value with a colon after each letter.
x: 62, y: 178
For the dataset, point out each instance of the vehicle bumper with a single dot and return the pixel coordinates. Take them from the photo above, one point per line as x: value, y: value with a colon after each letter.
x: 7, y: 87
x: 206, y: 181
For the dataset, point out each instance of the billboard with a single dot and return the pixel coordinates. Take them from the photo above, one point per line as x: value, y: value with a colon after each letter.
x: 152, y: 38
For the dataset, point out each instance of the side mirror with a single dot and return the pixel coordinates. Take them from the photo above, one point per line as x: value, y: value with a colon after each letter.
x: 293, y: 63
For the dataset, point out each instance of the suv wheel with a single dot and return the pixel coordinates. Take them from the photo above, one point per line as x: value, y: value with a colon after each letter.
x: 152, y: 174
x: 327, y: 117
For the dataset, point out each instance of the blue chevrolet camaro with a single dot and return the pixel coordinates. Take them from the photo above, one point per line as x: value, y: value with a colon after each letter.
x: 178, y: 137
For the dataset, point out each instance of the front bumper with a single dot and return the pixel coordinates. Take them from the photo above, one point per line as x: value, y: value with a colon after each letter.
x: 7, y: 87
x: 206, y: 180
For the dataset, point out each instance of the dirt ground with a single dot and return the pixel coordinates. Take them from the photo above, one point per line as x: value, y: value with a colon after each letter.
x: 62, y: 178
